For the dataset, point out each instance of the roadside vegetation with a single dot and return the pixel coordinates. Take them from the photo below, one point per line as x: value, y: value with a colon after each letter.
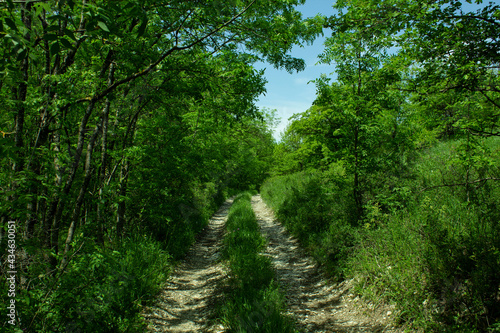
x: 422, y: 246
x: 252, y: 299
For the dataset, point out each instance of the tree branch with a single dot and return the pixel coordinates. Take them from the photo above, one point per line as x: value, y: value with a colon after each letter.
x: 475, y: 17
x: 489, y: 99
x: 152, y: 66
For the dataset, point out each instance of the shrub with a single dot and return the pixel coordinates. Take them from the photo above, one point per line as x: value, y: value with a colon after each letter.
x: 315, y: 208
x: 437, y: 259
x: 100, y: 290
x: 429, y: 240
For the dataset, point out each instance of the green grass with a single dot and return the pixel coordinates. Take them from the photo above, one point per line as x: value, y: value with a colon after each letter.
x: 253, y: 301
x: 316, y: 211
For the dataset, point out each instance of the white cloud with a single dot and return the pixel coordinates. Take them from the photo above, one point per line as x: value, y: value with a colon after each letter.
x: 301, y: 81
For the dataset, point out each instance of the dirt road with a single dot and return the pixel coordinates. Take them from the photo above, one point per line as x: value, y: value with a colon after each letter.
x: 191, y: 293
x: 186, y: 303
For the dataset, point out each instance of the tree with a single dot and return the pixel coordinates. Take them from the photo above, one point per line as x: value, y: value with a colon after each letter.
x: 447, y: 47
x: 356, y: 107
x: 93, y: 52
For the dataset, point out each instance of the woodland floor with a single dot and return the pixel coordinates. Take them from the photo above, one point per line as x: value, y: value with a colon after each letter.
x: 187, y: 302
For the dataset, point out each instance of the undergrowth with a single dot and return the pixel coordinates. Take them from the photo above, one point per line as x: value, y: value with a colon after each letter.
x: 314, y: 211
x: 252, y: 302
x: 103, y: 288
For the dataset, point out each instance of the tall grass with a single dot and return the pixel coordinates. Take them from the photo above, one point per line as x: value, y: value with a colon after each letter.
x: 253, y: 302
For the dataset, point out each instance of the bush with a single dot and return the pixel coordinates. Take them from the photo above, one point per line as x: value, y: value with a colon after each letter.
x: 438, y: 259
x: 173, y: 216
x: 315, y: 209
x: 100, y: 291
x: 429, y: 239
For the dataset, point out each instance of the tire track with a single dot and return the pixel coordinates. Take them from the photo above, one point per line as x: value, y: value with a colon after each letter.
x: 187, y: 301
x: 316, y: 305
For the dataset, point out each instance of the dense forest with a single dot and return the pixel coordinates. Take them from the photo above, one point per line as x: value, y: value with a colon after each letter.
x: 125, y: 124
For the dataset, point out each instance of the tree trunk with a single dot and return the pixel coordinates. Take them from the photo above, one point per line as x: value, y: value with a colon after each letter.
x: 103, y: 172
x: 81, y: 194
x: 88, y: 172
x: 356, y: 186
x: 122, y: 193
x: 358, y: 201
x: 58, y: 203
x: 22, y: 91
x: 125, y: 169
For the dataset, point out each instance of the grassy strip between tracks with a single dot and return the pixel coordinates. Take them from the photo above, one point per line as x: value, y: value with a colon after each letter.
x: 252, y: 300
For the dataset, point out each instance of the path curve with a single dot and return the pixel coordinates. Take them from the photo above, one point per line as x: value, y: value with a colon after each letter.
x: 316, y: 305
x: 187, y: 301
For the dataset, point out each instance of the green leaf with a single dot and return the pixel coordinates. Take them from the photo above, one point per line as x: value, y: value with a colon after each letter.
x: 142, y: 27
x: 71, y: 4
x: 46, y: 6
x: 21, y: 54
x: 70, y: 34
x: 38, y: 9
x: 103, y: 26
x: 66, y: 43
x: 55, y: 48
x: 50, y: 37
x: 54, y: 28
x: 10, y: 23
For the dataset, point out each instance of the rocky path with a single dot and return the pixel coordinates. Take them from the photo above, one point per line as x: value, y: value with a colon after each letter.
x: 191, y: 292
x: 186, y: 303
x: 316, y: 305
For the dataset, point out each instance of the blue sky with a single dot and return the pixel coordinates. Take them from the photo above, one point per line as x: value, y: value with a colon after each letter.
x: 291, y: 93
